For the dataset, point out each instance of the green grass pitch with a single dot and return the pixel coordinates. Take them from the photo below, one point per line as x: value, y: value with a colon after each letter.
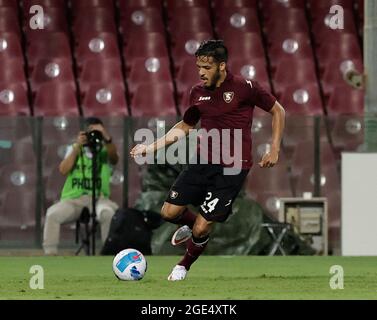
x: 211, y: 277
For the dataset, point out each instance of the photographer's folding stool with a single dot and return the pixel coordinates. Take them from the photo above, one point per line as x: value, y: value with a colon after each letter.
x: 277, y: 231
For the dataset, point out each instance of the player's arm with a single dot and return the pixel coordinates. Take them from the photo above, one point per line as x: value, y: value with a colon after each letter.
x: 69, y: 161
x: 278, y: 122
x: 180, y: 130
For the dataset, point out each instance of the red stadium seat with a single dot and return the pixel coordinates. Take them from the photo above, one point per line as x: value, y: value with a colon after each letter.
x: 289, y: 21
x: 187, y: 77
x: 140, y: 21
x: 151, y: 45
x: 94, y: 20
x: 172, y: 6
x: 303, y: 156
x: 102, y: 100
x: 360, y: 10
x: 348, y: 132
x: 27, y: 4
x: 189, y: 19
x: 126, y: 4
x: 346, y: 46
x: 9, y: 24
x: 9, y: 4
x: 17, y: 218
x: 238, y: 19
x: 271, y: 8
x: 261, y: 131
x: 294, y: 46
x: 322, y: 30
x: 316, y: 6
x: 60, y: 130
x: 16, y: 128
x: 52, y: 45
x: 251, y: 69
x: 220, y: 5
x: 269, y: 180
x: 158, y: 102
x: 329, y: 179
x: 21, y: 152
x: 20, y: 175
x: 99, y: 46
x: 334, y: 71
x: 12, y: 72
x: 84, y: 4
x: 299, y: 128
x: 267, y: 186
x: 150, y: 70
x: 345, y: 100
x: 52, y: 71
x: 10, y: 13
x: 54, y: 20
x: 186, y: 45
x: 10, y: 47
x: 13, y: 100
x: 302, y: 99
x: 99, y: 9
x: 54, y: 99
x: 244, y: 46
x: 101, y: 71
x: 294, y: 72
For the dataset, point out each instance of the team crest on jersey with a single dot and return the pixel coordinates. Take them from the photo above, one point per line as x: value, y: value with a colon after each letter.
x: 228, y: 96
x: 173, y: 194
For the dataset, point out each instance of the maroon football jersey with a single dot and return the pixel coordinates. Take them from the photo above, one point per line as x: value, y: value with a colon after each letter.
x: 231, y: 107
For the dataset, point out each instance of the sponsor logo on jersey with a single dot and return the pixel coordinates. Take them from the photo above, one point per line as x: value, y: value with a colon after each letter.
x: 204, y: 98
x: 173, y: 194
x: 228, y: 96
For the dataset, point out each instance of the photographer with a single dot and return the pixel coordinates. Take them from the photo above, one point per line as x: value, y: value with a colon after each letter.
x: 77, y: 190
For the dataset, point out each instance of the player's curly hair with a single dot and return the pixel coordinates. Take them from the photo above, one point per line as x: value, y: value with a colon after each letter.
x: 213, y: 48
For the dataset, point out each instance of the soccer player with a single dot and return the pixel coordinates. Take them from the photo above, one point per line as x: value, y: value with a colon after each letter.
x: 221, y: 101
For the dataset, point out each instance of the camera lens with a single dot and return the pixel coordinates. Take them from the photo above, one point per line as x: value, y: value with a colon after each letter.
x: 94, y: 138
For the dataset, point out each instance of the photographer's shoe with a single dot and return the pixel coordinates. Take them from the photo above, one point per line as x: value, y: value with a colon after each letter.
x: 181, y: 235
x: 178, y: 273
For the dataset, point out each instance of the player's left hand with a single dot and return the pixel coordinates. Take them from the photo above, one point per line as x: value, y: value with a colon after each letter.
x: 269, y: 159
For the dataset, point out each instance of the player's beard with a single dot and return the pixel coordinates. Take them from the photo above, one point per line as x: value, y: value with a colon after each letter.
x: 215, y: 78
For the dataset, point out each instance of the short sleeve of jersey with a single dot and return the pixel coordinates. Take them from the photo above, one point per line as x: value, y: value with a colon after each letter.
x: 261, y: 97
x: 192, y: 116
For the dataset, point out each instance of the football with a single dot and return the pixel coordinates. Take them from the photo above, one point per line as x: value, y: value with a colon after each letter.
x: 129, y: 265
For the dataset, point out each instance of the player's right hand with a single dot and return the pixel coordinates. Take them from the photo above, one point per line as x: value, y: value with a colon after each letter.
x: 81, y: 138
x: 138, y: 150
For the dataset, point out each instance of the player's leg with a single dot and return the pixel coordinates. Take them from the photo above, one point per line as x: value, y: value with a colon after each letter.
x: 195, y: 247
x: 216, y: 207
x: 62, y: 212
x: 178, y: 214
x: 187, y: 189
